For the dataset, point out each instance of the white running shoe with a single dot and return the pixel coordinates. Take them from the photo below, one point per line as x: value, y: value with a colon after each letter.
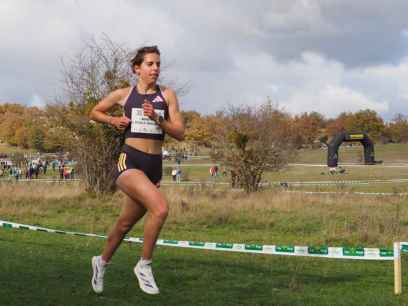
x: 145, y: 277
x: 98, y: 272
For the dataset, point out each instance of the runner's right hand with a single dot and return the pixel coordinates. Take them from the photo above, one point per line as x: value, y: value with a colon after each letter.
x: 120, y: 122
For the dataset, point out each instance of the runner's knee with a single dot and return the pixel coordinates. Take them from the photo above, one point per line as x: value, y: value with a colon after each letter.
x: 161, y: 210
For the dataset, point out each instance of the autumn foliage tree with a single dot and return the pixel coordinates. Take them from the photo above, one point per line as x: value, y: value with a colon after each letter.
x: 250, y: 141
x: 11, y: 116
x: 364, y: 120
x: 367, y: 121
x: 26, y: 127
x: 307, y: 128
x: 101, y: 67
x: 397, y: 130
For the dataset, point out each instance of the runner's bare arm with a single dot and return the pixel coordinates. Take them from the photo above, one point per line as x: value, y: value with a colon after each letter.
x: 174, y: 125
x: 98, y: 112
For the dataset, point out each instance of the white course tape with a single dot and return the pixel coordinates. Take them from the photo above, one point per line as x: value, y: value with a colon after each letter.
x: 404, y: 247
x: 294, y: 183
x: 12, y: 179
x: 344, y: 182
x: 375, y: 194
x: 388, y: 165
x: 286, y: 250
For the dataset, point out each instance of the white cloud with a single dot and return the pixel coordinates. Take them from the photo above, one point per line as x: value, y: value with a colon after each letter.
x: 298, y: 16
x: 329, y: 56
x: 312, y: 83
x: 332, y: 100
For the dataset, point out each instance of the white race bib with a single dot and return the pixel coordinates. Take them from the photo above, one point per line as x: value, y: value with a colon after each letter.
x: 143, y: 124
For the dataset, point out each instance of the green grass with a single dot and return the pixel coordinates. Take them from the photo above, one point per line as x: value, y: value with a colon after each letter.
x: 6, y: 148
x: 369, y: 188
x: 48, y: 269
x: 390, y: 153
x: 220, y: 215
x: 387, y: 153
x: 198, y: 170
x: 304, y: 173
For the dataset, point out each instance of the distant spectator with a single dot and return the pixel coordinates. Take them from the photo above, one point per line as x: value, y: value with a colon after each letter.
x: 66, y: 172
x: 174, y: 174
x: 17, y: 173
x: 214, y: 171
x: 178, y: 175
x: 61, y: 171
x: 30, y: 171
x: 36, y: 170
x: 166, y: 155
x: 40, y: 166
x: 45, y: 167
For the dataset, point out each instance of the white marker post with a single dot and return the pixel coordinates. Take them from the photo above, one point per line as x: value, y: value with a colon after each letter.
x: 397, y: 268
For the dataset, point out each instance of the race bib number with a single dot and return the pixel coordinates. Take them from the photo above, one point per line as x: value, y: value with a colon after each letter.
x: 143, y: 124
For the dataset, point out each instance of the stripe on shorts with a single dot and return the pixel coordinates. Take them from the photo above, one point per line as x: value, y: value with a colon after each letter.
x: 120, y: 157
x: 124, y: 161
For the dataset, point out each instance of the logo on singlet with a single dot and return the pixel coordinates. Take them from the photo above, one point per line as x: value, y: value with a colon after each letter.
x: 157, y: 99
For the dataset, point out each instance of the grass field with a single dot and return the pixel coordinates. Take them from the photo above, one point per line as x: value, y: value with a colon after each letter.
x: 198, y: 169
x: 387, y: 153
x: 49, y: 269
x: 390, y: 154
x: 304, y: 173
x: 6, y: 148
x: 42, y: 269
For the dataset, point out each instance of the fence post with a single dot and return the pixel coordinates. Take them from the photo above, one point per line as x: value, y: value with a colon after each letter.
x: 397, y: 268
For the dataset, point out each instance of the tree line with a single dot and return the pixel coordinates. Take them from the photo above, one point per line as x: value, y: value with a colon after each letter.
x: 305, y: 130
x: 35, y: 128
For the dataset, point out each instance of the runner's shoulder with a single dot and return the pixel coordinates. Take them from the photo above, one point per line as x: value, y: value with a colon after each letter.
x: 119, y: 95
x: 165, y: 89
x: 168, y: 93
x: 123, y: 92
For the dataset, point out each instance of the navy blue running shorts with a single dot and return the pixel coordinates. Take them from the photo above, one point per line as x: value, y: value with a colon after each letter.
x: 149, y: 164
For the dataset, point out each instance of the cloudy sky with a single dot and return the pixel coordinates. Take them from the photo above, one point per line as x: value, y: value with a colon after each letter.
x: 328, y: 56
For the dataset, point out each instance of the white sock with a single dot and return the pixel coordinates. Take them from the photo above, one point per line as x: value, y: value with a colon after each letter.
x: 144, y: 262
x: 103, y: 263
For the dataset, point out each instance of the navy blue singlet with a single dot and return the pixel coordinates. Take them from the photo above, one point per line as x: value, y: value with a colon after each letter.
x: 141, y: 126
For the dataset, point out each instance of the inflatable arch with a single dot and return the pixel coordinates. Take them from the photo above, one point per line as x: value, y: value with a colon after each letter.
x: 334, y: 144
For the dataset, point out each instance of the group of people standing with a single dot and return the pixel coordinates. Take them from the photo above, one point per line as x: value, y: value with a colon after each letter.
x: 65, y: 171
x: 33, y: 169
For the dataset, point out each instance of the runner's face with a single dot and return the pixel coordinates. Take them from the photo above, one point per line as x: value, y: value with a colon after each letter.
x: 149, y: 70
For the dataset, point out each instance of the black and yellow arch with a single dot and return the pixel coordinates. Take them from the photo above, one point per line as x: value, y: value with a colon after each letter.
x: 334, y: 144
